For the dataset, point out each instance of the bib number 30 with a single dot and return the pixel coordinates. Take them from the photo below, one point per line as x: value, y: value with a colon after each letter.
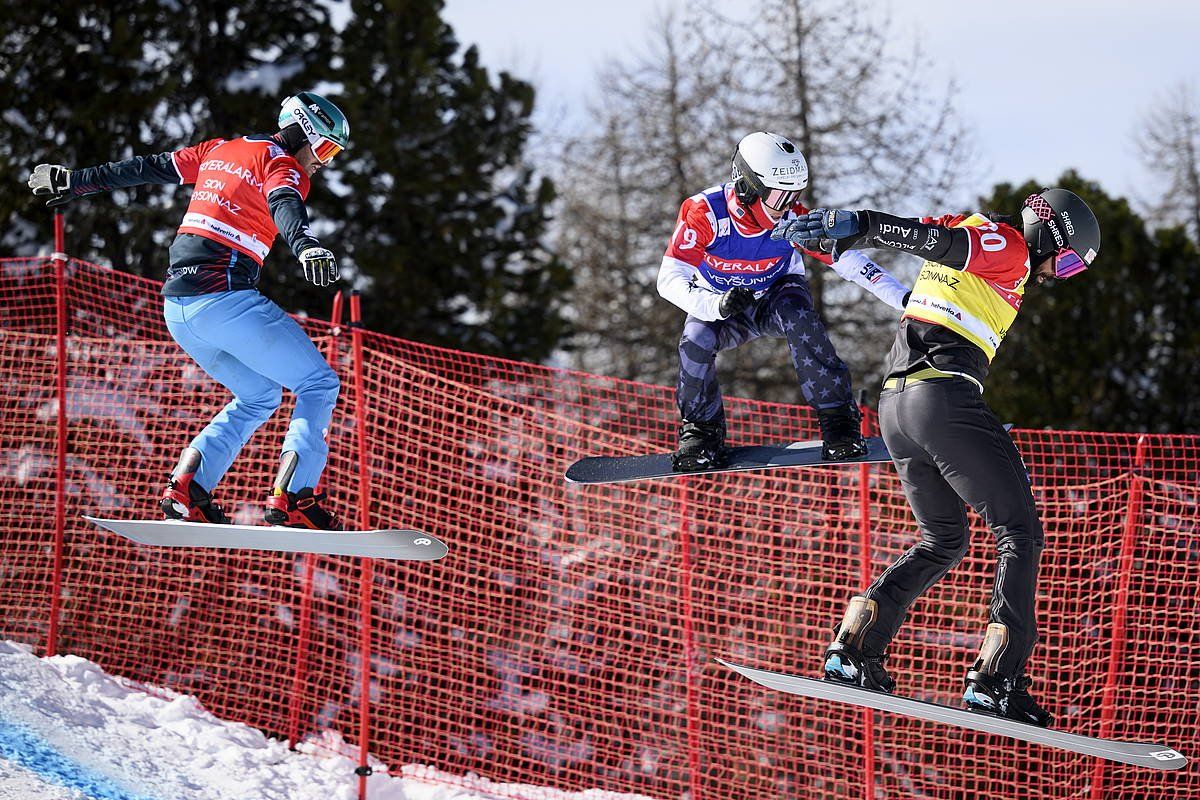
x: 991, y: 241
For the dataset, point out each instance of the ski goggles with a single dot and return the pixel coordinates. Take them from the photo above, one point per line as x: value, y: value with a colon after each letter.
x: 779, y: 199
x: 326, y: 149
x: 1067, y: 263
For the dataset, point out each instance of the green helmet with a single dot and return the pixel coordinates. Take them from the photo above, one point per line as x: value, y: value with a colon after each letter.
x: 323, y: 123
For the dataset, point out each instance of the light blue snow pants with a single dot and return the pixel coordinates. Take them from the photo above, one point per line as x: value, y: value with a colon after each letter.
x: 252, y: 348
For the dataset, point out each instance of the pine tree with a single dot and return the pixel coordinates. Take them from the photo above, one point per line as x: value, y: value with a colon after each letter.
x: 434, y: 203
x: 97, y: 82
x: 1114, y: 348
x: 440, y: 212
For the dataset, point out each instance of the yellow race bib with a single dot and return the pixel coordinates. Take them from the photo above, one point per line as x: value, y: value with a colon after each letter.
x: 977, y: 309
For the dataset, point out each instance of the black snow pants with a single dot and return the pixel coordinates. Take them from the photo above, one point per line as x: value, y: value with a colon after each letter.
x: 949, y: 448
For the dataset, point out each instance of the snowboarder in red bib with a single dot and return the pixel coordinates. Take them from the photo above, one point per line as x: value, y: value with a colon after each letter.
x: 947, y: 445
x: 737, y: 284
x: 247, y: 191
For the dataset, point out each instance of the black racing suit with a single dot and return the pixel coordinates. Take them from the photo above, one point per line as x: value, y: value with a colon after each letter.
x: 947, y: 445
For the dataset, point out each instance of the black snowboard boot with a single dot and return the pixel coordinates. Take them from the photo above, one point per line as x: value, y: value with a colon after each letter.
x: 701, y: 446
x: 845, y: 659
x: 840, y: 428
x: 990, y: 692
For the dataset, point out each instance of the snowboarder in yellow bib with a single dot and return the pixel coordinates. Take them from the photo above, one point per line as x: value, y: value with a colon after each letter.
x: 947, y: 445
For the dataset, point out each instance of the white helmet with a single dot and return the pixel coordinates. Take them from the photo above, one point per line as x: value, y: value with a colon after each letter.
x: 768, y: 167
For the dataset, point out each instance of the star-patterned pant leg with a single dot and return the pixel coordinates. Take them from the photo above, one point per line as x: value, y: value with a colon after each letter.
x: 698, y: 394
x: 787, y: 311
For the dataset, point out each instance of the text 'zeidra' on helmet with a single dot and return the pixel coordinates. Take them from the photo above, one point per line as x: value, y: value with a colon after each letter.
x: 768, y: 167
x: 324, y: 125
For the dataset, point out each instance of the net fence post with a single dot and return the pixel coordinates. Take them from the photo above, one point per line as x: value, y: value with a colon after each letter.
x: 304, y: 635
x: 1137, y: 487
x: 364, y: 523
x: 864, y: 550
x: 689, y: 637
x: 60, y: 470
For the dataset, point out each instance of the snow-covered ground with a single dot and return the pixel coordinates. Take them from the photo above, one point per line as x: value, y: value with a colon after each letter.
x: 68, y: 731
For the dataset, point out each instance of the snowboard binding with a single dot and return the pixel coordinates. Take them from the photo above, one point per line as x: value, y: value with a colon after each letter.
x: 842, y: 433
x: 989, y: 692
x: 186, y: 500
x: 300, y: 509
x: 701, y: 446
x: 845, y: 659
x: 1004, y: 697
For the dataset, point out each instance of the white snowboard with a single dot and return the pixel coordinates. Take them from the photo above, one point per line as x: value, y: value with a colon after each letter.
x: 1142, y: 754
x: 399, y: 545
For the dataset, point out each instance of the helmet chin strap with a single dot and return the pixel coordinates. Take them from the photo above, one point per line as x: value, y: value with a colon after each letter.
x: 745, y: 193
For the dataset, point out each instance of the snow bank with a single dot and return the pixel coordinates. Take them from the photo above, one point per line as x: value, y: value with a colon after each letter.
x: 69, y: 731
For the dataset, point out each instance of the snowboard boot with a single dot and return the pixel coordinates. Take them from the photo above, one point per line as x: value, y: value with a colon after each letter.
x: 990, y: 693
x: 845, y: 659
x: 186, y: 500
x: 701, y: 446
x: 841, y: 430
x: 300, y: 509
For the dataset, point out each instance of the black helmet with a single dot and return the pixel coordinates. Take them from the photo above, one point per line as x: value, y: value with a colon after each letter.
x: 1054, y: 220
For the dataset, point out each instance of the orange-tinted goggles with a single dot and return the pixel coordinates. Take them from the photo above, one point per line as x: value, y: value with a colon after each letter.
x: 325, y: 150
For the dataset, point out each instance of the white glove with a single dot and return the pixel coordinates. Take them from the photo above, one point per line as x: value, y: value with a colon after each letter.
x: 320, y: 267
x: 53, y: 180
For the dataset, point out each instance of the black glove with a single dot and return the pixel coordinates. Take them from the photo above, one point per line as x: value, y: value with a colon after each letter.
x: 735, y: 301
x: 841, y: 226
x: 53, y: 180
x: 320, y: 267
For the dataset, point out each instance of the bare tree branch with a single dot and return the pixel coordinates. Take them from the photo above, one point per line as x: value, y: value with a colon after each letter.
x: 823, y: 74
x: 1169, y: 141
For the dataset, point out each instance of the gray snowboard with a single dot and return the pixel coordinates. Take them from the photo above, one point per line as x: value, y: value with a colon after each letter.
x: 1142, y: 754
x: 623, y: 469
x: 399, y: 545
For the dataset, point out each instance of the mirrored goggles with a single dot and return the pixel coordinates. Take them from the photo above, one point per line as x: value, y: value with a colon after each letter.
x: 779, y: 199
x: 1067, y: 263
x: 325, y: 150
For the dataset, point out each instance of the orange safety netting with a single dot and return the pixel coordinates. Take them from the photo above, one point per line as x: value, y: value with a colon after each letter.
x: 567, y: 639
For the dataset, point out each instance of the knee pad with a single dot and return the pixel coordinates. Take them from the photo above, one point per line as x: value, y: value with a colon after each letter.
x: 324, y: 384
x: 792, y: 304
x: 332, y: 384
x: 262, y: 406
x: 945, y: 549
x: 699, y: 345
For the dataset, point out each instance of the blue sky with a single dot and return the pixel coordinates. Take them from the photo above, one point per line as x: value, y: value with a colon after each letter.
x: 1100, y: 66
